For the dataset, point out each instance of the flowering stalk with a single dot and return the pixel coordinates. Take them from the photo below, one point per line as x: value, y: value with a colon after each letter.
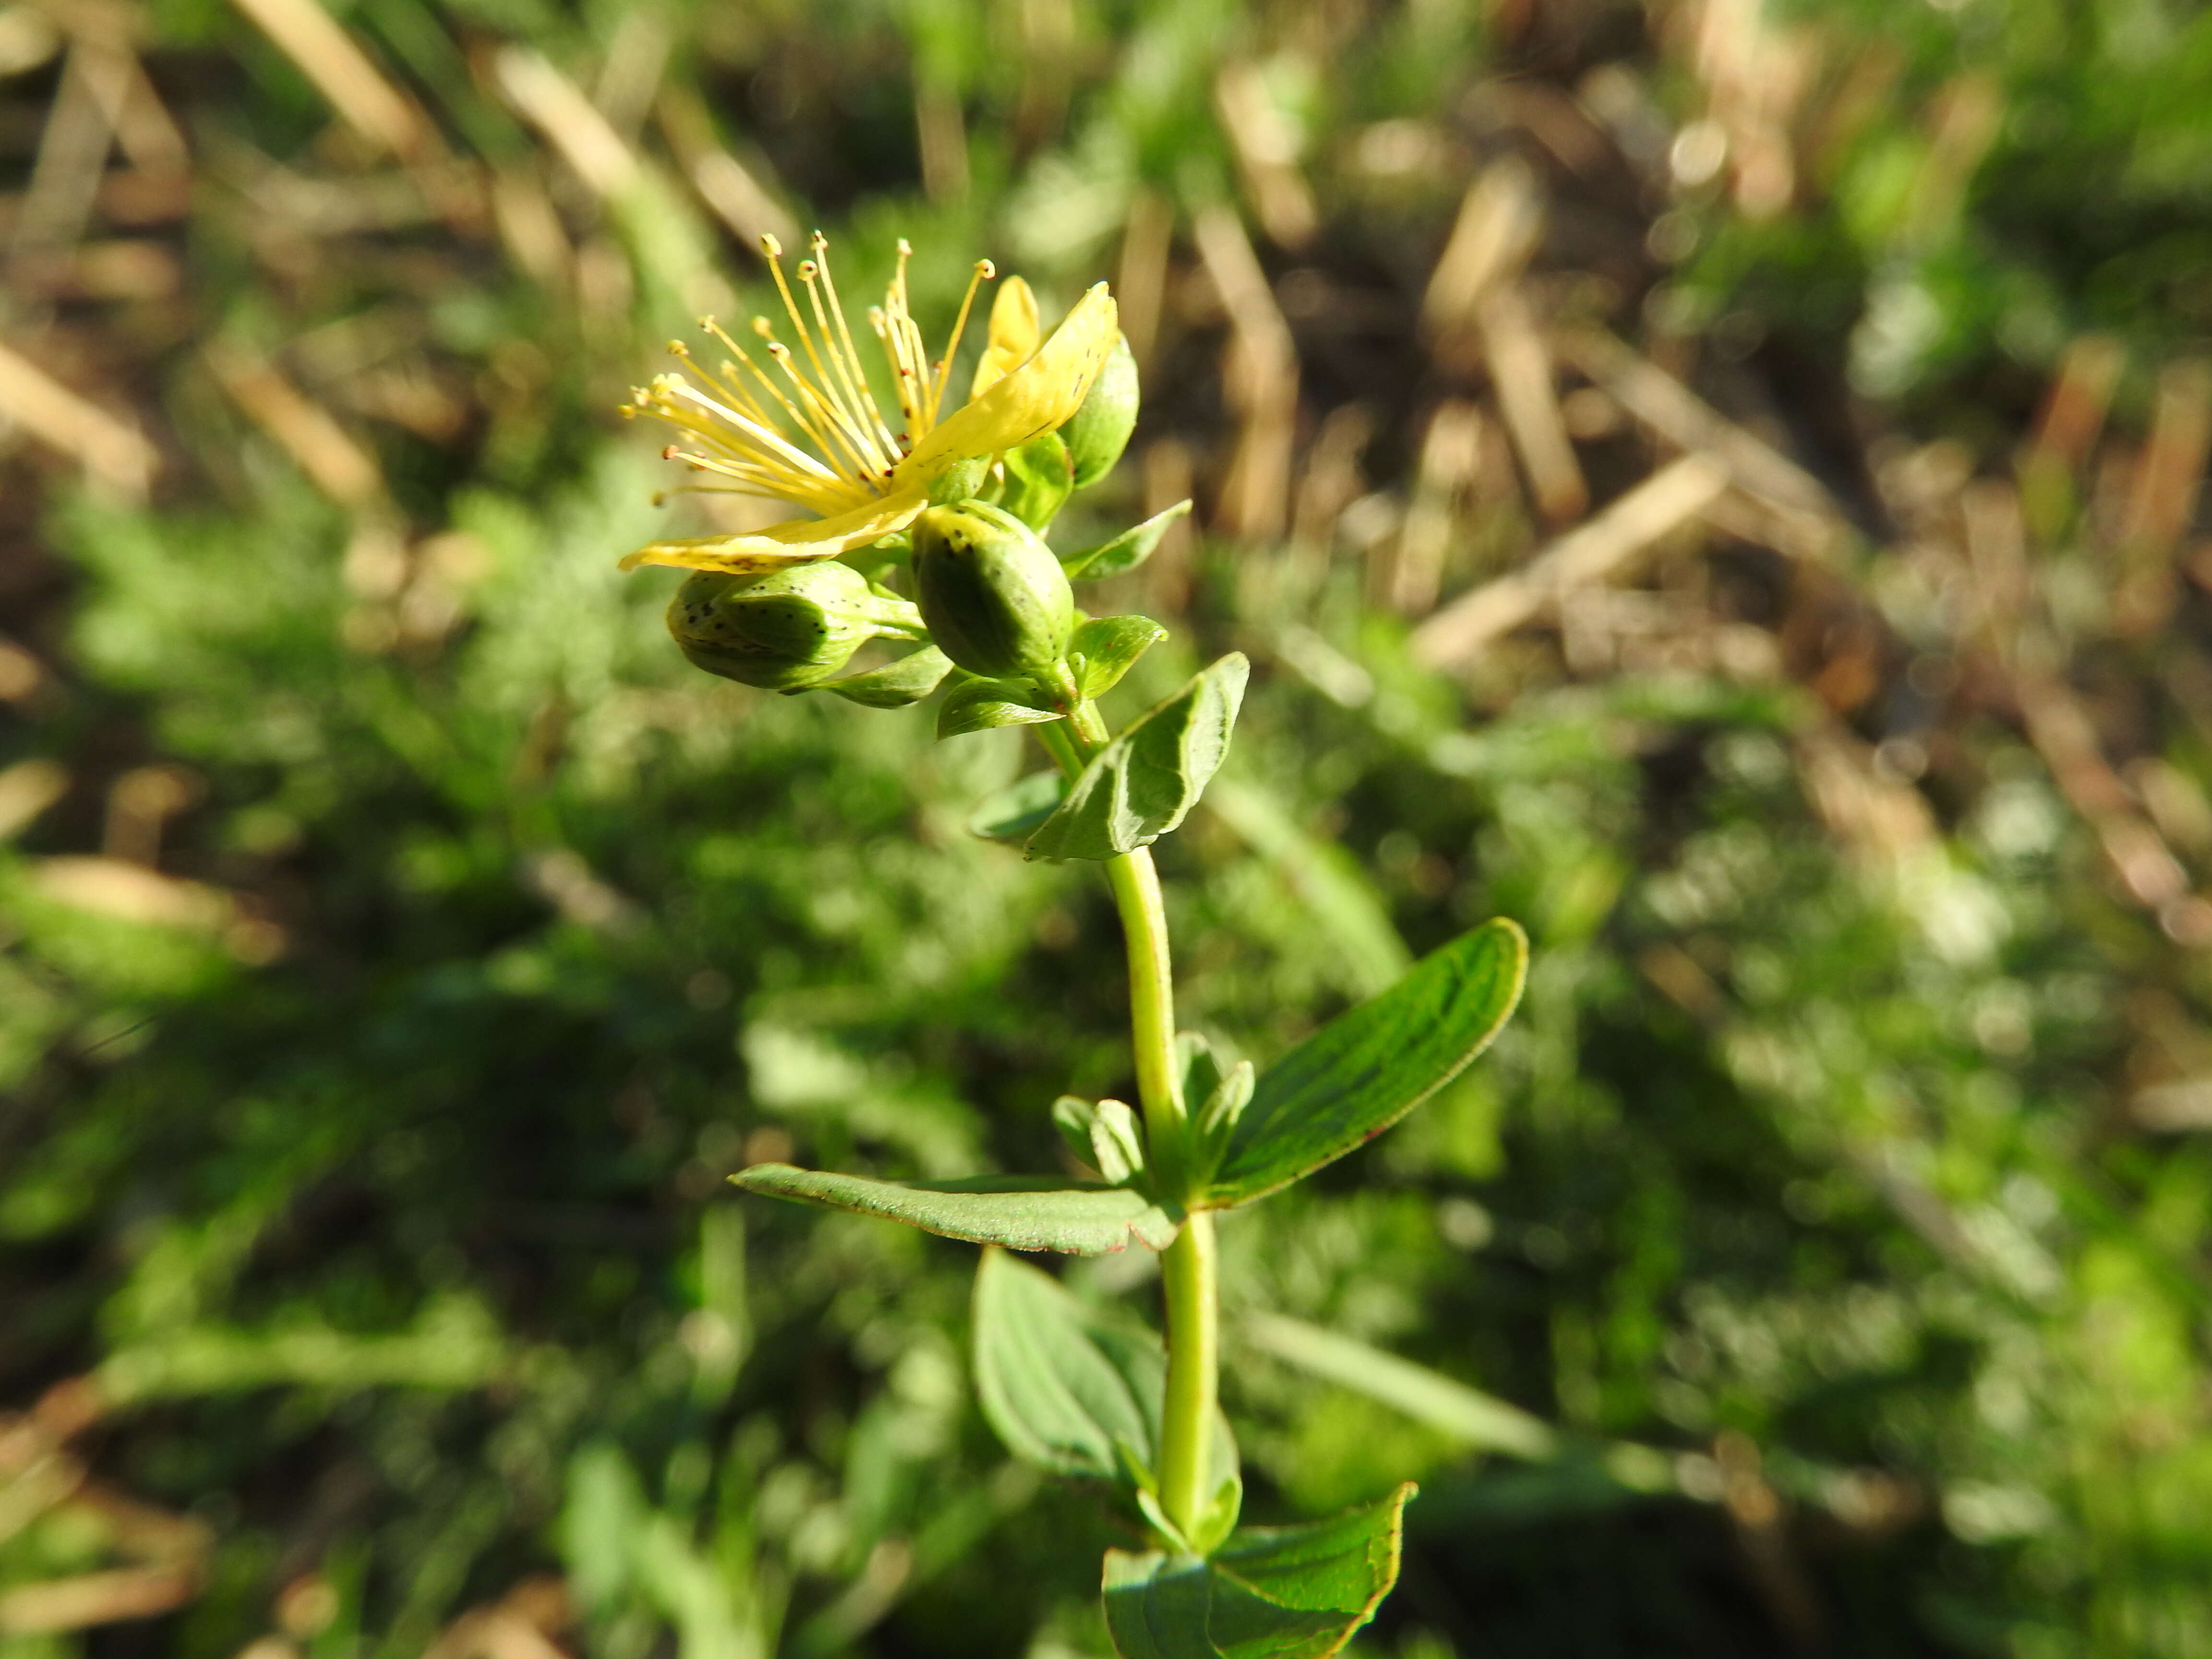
x: 1188, y: 1269
x: 943, y: 516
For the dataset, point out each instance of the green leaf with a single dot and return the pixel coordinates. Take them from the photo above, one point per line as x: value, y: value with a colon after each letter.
x: 977, y: 705
x: 1014, y: 812
x: 1127, y: 551
x: 1024, y: 1212
x: 1366, y: 1069
x: 1144, y: 783
x: 895, y: 685
x: 1074, y: 1389
x: 1040, y: 478
x: 1269, y: 1593
x: 1107, y: 647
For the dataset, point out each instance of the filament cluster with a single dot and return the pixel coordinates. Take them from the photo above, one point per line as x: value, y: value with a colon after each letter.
x: 807, y: 427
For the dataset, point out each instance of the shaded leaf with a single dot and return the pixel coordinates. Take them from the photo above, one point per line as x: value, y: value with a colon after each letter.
x: 1014, y: 812
x: 1144, y: 782
x: 1269, y: 1593
x: 1024, y: 1212
x: 1074, y: 1389
x: 1367, y: 1068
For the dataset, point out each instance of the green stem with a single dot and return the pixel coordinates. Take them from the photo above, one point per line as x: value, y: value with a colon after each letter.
x: 1188, y: 1267
x: 1188, y: 1270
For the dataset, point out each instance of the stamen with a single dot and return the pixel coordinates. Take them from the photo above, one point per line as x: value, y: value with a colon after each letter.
x: 985, y: 271
x: 806, y: 340
x: 813, y: 434
x: 864, y: 394
x: 728, y: 378
x: 902, y: 374
x: 824, y: 422
x: 851, y: 399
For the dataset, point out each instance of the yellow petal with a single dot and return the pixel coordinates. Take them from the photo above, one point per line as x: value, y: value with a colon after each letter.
x: 1015, y: 331
x: 1036, y: 397
x: 802, y: 542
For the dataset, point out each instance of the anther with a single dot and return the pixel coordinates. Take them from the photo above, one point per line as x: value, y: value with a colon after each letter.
x: 770, y: 246
x: 986, y: 270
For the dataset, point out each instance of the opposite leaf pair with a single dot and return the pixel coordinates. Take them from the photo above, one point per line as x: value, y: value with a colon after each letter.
x: 1332, y: 1094
x: 1076, y: 1391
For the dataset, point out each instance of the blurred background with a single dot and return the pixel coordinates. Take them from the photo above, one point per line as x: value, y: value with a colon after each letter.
x: 1717, y: 481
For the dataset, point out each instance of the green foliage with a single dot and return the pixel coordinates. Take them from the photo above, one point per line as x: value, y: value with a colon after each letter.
x: 1105, y: 648
x: 1366, y: 1069
x: 982, y: 705
x: 1126, y: 551
x: 1024, y: 1212
x: 1073, y: 1390
x: 1298, y: 1592
x: 1146, y: 781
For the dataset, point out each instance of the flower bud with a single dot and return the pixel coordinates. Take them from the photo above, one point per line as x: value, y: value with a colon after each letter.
x: 1099, y: 430
x: 784, y: 631
x: 994, y: 598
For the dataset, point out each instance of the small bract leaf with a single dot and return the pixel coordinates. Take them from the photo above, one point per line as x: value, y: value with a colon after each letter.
x: 1214, y: 1126
x: 1127, y: 551
x: 1014, y: 812
x: 1200, y: 1067
x: 980, y: 705
x: 1220, y: 1517
x: 1144, y: 782
x: 1023, y: 1212
x: 1108, y: 647
x: 1117, y: 1147
x: 1269, y: 1593
x: 895, y: 685
x: 1367, y: 1068
x: 1073, y: 1115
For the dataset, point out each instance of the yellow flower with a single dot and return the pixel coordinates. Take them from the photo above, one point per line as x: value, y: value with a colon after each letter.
x: 807, y: 429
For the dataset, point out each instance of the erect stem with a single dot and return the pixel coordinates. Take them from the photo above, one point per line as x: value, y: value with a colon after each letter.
x: 1188, y: 1266
x: 1188, y: 1270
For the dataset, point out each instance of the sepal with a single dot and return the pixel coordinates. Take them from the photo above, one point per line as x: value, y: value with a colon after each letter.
x: 1099, y: 430
x: 979, y: 705
x: 895, y: 685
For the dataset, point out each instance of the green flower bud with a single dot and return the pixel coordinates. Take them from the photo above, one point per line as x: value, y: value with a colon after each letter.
x: 1099, y: 430
x: 994, y: 598
x: 784, y: 631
